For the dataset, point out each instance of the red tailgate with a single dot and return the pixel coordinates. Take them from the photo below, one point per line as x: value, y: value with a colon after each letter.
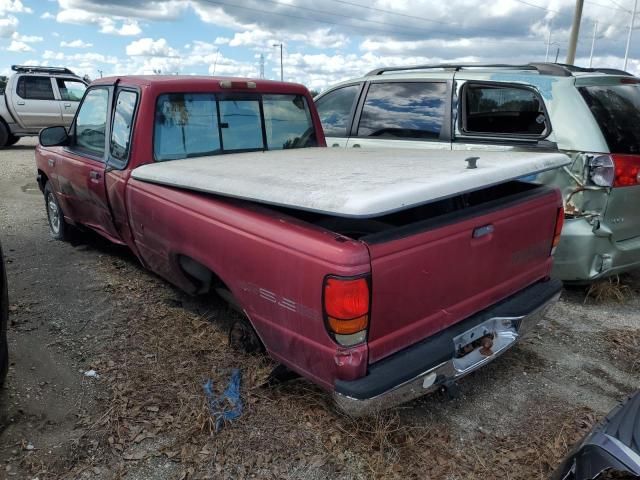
x: 438, y: 276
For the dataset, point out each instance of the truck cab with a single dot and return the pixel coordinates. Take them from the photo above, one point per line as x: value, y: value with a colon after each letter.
x: 38, y: 97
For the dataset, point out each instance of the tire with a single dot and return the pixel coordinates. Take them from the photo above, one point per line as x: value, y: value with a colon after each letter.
x: 58, y: 228
x: 4, y: 320
x: 4, y: 134
x: 12, y: 140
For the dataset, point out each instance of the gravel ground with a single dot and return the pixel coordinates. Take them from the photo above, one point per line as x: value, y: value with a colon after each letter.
x: 79, y: 306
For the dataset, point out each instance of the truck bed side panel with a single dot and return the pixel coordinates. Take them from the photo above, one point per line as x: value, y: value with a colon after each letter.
x: 274, y: 265
x: 428, y: 281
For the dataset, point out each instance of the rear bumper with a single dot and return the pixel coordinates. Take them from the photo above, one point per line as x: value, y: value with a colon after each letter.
x: 426, y: 366
x: 583, y: 256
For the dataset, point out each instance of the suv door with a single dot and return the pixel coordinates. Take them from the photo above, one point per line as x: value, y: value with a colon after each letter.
x: 80, y: 168
x: 335, y: 109
x: 70, y: 92
x: 403, y: 114
x: 34, y: 102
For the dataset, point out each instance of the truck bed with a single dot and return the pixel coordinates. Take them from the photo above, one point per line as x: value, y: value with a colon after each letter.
x: 355, y: 183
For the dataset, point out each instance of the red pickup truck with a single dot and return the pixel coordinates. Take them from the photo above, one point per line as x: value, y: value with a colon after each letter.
x: 378, y: 275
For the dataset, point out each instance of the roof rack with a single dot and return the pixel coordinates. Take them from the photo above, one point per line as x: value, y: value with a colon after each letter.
x: 558, y: 69
x: 39, y: 69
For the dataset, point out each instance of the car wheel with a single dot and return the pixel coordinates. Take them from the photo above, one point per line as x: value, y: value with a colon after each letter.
x: 4, y: 134
x: 12, y: 140
x: 4, y: 320
x: 55, y: 216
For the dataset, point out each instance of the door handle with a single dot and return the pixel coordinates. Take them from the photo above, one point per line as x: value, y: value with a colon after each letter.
x: 51, y: 162
x: 94, y: 175
x: 335, y: 145
x: 20, y: 102
x: 356, y: 145
x: 67, y: 105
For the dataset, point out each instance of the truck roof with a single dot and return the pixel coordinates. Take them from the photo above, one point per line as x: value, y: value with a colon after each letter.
x: 184, y: 82
x: 355, y: 183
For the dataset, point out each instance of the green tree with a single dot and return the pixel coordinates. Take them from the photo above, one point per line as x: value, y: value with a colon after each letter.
x: 3, y: 83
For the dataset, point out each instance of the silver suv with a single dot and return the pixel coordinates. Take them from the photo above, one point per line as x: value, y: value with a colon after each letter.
x: 593, y: 115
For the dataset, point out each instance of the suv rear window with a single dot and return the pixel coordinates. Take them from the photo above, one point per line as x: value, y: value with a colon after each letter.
x: 198, y: 124
x: 35, y: 88
x: 403, y: 110
x: 616, y: 108
x: 503, y: 110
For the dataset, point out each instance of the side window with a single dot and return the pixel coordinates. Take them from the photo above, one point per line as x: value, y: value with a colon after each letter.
x: 70, y: 90
x: 503, y: 110
x: 35, y: 88
x: 241, y: 125
x: 122, y: 120
x: 287, y: 122
x: 91, y: 122
x: 404, y: 110
x: 334, y: 110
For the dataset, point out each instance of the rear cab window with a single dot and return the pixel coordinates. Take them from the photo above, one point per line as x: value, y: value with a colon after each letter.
x: 404, y: 110
x: 616, y: 109
x: 199, y: 124
x: 502, y: 110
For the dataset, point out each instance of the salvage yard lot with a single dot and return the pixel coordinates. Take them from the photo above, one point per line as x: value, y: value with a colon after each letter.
x: 88, y: 305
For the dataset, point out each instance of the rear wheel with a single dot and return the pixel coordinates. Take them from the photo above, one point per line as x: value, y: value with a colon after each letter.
x: 4, y: 134
x: 55, y: 216
x: 12, y: 140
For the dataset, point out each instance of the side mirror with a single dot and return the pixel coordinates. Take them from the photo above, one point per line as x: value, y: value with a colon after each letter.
x: 54, y: 137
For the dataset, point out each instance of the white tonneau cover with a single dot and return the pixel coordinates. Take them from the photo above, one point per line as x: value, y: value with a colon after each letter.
x: 346, y: 182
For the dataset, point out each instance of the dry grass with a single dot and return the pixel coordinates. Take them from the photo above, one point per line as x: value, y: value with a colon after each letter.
x: 153, y: 371
x: 608, y: 290
x: 624, y: 346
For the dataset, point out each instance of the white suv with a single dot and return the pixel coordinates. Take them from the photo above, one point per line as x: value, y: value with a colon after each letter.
x: 591, y: 114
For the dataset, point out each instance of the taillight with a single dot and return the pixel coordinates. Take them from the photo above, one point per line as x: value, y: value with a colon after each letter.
x: 557, y: 230
x: 346, y: 308
x: 627, y: 170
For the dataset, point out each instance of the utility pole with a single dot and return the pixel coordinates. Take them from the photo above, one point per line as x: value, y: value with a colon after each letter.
x: 593, y: 42
x: 100, y: 72
x: 575, y: 30
x: 262, y: 65
x: 633, y: 17
x: 549, y: 27
x: 281, y: 67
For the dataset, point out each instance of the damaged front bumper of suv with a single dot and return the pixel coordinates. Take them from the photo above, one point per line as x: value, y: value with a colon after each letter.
x: 447, y: 356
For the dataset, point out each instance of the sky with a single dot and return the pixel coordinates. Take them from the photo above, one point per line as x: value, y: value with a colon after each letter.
x: 324, y: 41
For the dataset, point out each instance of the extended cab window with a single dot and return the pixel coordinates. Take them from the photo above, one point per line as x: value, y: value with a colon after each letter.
x: 35, y: 88
x: 403, y: 110
x: 91, y: 122
x: 70, y: 90
x: 122, y: 120
x: 502, y: 110
x: 616, y: 108
x: 198, y: 124
x: 334, y: 109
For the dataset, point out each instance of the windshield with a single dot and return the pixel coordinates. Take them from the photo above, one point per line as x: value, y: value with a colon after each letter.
x: 197, y: 124
x: 616, y: 108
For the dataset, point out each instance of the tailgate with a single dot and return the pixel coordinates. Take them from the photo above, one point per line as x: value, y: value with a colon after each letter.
x: 437, y: 272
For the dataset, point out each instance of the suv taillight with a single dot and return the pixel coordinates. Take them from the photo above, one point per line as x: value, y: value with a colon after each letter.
x: 627, y: 170
x: 558, y: 230
x: 346, y: 308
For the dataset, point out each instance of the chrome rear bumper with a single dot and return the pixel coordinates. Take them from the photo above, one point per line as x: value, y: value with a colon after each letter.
x: 507, y: 330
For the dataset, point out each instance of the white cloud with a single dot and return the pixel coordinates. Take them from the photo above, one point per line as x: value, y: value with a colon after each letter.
x: 13, y: 6
x: 221, y: 40
x: 47, y: 16
x: 8, y: 26
x: 76, y: 44
x: 151, y: 48
x: 26, y: 38
x: 18, y: 46
x: 107, y: 24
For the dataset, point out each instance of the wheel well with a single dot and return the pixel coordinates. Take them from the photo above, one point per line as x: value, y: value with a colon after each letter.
x: 42, y: 180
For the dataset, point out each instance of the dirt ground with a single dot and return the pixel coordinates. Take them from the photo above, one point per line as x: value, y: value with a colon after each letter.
x: 88, y: 305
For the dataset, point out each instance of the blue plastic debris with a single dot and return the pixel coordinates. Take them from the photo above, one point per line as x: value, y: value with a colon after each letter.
x: 228, y: 406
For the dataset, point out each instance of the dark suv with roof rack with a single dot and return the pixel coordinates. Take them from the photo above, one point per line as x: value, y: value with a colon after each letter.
x: 38, y: 97
x: 593, y: 115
